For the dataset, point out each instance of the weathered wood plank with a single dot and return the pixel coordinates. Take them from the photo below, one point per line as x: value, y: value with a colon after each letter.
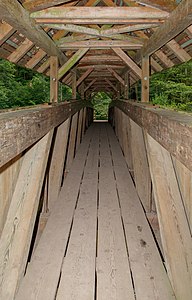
x: 99, y: 13
x: 6, y: 31
x: 35, y: 5
x: 149, y: 276
x: 178, y: 21
x: 29, y: 125
x: 145, y: 79
x: 14, y: 13
x: 17, y: 232
x: 140, y: 165
x: 72, y: 140
x: 79, y: 129
x: 174, y: 228
x: 71, y: 62
x: 57, y: 162
x: 173, y: 130
x: 54, y: 79
x: 78, y: 271
x: 113, y: 272
x: 129, y: 62
x: 43, y: 272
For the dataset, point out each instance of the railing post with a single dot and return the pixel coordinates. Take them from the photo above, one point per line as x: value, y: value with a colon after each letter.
x: 145, y: 79
x: 53, y: 79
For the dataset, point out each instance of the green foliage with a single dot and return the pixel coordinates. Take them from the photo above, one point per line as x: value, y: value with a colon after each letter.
x: 101, y: 103
x: 173, y: 87
x: 23, y: 87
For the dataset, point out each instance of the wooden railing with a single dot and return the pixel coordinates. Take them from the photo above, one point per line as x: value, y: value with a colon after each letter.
x: 37, y: 147
x: 157, y: 145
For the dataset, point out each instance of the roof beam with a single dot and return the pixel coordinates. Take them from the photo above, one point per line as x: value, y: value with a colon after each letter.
x: 85, y: 75
x: 36, y: 58
x: 14, y: 14
x: 100, y: 32
x: 178, y: 21
x: 71, y: 62
x: 101, y: 14
x: 179, y: 52
x: 161, y: 4
x: 128, y: 60
x: 90, y: 84
x: 109, y: 83
x: 116, y: 75
x: 16, y: 55
x: 6, y: 31
x: 35, y: 5
x: 101, y: 44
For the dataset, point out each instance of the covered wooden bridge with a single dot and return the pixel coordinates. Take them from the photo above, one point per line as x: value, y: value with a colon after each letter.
x: 96, y: 210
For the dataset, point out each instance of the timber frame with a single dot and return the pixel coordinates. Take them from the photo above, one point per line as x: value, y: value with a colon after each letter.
x: 155, y: 37
x: 94, y: 46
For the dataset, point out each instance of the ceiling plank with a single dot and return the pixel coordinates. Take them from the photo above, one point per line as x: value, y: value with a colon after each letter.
x: 101, y: 13
x: 161, y: 4
x: 90, y: 84
x: 116, y: 75
x: 85, y: 75
x: 35, y: 5
x: 6, y: 31
x: 178, y: 21
x: 128, y: 60
x: 101, y: 45
x: 71, y: 62
x: 179, y: 52
x: 14, y: 14
x: 36, y: 58
x: 16, y: 55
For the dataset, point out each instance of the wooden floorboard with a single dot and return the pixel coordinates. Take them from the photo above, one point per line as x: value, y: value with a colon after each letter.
x: 43, y: 272
x: 149, y: 275
x: 113, y: 272
x: 78, y: 271
x: 97, y: 244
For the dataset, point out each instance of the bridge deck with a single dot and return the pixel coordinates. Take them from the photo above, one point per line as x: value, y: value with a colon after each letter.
x: 97, y: 243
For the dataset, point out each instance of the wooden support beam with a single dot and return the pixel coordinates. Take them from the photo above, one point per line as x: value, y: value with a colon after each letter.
x: 100, y: 32
x: 129, y: 62
x: 18, y: 229
x: 90, y: 84
x: 145, y: 80
x: 72, y: 140
x: 74, y: 85
x: 165, y: 126
x: 116, y: 75
x: 179, y: 52
x: 101, y: 44
x: 99, y: 13
x: 6, y: 31
x: 71, y: 62
x: 126, y: 86
x: 54, y: 79
x: 84, y: 76
x: 155, y: 65
x: 82, y: 90
x: 178, y: 21
x: 111, y: 85
x: 35, y: 5
x: 14, y: 14
x: 30, y: 125
x: 164, y: 58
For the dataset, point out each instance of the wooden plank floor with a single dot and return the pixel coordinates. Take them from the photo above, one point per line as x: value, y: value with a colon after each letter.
x: 97, y: 244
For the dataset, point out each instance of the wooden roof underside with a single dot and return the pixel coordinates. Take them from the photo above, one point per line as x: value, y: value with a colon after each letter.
x: 103, y: 40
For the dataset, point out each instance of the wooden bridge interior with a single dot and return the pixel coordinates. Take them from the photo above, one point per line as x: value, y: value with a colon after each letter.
x: 96, y: 210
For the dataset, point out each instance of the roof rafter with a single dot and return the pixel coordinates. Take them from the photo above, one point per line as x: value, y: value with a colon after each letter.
x: 14, y: 14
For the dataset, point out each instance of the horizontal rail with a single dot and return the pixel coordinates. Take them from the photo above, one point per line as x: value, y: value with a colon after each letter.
x: 173, y: 130
x: 22, y: 128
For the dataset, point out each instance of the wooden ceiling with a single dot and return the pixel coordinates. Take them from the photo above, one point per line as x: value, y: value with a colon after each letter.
x: 102, y: 40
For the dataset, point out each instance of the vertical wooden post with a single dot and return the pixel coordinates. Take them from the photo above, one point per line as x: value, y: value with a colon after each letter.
x: 74, y: 84
x: 53, y: 79
x: 145, y: 80
x: 126, y: 87
x: 72, y: 141
x: 82, y: 88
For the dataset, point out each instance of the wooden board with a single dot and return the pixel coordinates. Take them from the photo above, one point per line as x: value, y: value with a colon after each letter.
x: 149, y: 276
x: 41, y: 279
x: 113, y: 273
x: 78, y: 271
